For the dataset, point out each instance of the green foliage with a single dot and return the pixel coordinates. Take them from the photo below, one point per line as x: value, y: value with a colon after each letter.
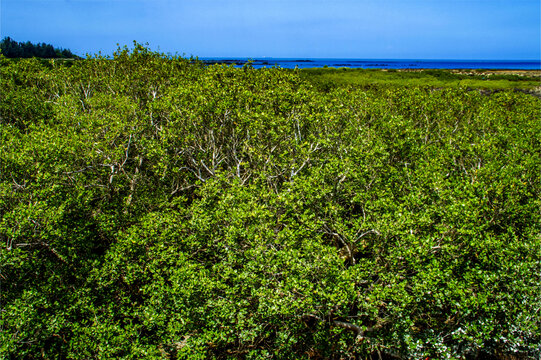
x: 152, y: 207
x: 330, y: 78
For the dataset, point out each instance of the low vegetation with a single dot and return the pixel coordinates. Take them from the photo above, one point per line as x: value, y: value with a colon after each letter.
x: 154, y: 207
x: 329, y: 78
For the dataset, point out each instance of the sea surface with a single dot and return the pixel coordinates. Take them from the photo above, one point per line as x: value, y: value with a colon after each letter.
x: 380, y: 63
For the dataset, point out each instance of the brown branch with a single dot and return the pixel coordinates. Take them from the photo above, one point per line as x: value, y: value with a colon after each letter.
x: 336, y: 235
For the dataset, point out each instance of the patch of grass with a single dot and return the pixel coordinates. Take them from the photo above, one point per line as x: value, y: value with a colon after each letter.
x: 329, y: 78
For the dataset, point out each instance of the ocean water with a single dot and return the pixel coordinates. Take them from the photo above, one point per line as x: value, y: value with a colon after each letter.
x: 381, y: 63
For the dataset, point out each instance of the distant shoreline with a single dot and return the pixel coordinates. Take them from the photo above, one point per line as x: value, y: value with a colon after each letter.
x: 405, y: 64
x: 521, y: 72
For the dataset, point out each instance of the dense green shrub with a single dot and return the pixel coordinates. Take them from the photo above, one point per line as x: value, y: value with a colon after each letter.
x: 152, y: 207
x: 330, y: 78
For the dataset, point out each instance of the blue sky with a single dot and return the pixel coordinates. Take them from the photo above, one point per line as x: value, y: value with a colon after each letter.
x: 399, y: 29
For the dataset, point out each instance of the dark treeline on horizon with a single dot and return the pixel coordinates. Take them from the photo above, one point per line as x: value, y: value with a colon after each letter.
x: 13, y: 49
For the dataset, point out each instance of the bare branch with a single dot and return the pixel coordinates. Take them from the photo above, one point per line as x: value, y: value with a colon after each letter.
x: 344, y: 243
x: 366, y: 233
x: 18, y: 186
x: 206, y: 168
x: 294, y: 173
x: 127, y: 152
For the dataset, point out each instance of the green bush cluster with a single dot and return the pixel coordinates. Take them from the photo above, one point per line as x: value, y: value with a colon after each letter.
x: 152, y: 207
x: 327, y: 79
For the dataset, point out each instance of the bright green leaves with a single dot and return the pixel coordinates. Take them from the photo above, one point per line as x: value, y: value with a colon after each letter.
x: 152, y: 207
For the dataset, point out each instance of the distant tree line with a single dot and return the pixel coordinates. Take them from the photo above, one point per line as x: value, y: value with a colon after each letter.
x: 13, y: 49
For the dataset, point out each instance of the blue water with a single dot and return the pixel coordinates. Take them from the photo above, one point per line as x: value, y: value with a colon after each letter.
x: 381, y: 63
